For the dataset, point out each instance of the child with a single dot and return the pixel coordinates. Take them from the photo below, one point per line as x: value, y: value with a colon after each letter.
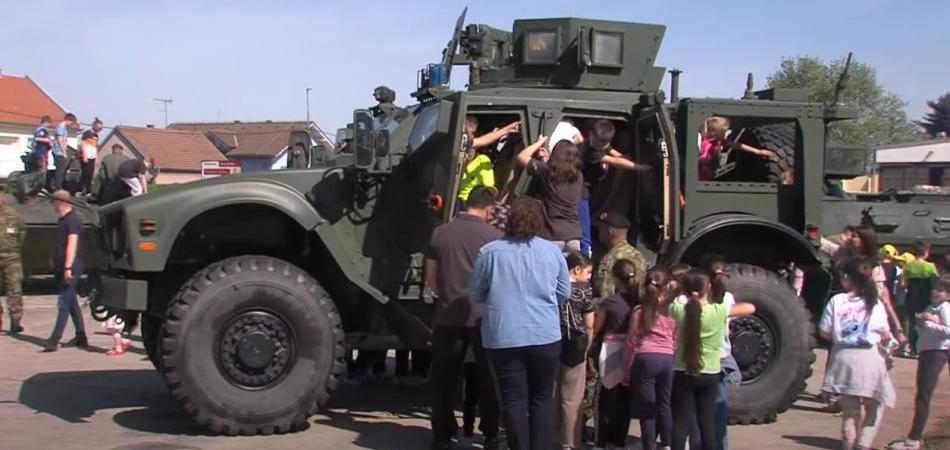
x: 114, y: 326
x: 919, y: 277
x: 730, y: 375
x: 700, y: 325
x: 856, y: 323
x: 478, y: 168
x: 712, y: 138
x: 577, y: 326
x: 648, y: 358
x: 933, y: 350
x: 611, y: 322
x: 560, y: 185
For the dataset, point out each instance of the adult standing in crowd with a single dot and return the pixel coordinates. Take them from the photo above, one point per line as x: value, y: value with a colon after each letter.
x: 131, y: 182
x: 613, y: 234
x: 88, y: 148
x: 521, y: 279
x: 448, y: 266
x: 60, y: 161
x: 12, y: 232
x: 108, y: 174
x: 67, y: 268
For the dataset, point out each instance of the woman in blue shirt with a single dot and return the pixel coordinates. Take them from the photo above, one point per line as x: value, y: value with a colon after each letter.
x: 521, y: 279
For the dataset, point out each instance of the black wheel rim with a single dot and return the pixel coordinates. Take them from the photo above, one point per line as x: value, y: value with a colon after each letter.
x: 255, y: 350
x: 754, y: 345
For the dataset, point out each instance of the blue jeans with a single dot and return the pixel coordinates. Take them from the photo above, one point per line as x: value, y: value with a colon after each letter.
x: 722, y: 404
x: 583, y: 212
x: 67, y: 306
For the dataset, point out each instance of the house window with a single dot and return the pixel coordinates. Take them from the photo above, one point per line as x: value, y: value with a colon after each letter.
x: 935, y: 176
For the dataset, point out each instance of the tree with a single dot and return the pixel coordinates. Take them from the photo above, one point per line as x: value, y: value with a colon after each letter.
x: 881, y: 120
x: 938, y: 120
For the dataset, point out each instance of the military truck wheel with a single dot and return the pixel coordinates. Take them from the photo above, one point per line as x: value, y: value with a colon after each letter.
x: 773, y: 346
x: 251, y: 345
x: 151, y: 329
x: 780, y: 138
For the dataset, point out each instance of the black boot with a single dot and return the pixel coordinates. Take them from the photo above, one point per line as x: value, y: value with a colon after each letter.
x: 79, y: 341
x: 15, y: 327
x: 51, y: 346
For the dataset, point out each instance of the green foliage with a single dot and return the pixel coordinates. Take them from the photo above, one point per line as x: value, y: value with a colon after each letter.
x: 938, y: 120
x: 882, y: 118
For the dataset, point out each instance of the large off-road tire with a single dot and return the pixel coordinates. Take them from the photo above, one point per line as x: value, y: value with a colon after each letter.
x: 251, y: 345
x: 151, y: 328
x: 780, y: 139
x: 774, y: 346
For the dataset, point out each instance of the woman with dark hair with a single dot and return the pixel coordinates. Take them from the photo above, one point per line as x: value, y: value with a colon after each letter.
x: 560, y: 185
x: 855, y: 323
x: 521, y: 279
x: 700, y: 325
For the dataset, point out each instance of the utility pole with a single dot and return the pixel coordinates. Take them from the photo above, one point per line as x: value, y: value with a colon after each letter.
x: 165, y: 102
x: 308, y: 106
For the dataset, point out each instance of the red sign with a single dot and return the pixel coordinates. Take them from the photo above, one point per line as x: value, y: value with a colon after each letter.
x: 211, y: 169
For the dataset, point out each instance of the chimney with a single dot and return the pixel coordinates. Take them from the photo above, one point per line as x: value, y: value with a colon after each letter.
x: 150, y: 125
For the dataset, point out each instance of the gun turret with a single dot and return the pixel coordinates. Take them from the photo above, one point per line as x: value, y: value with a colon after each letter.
x: 564, y: 53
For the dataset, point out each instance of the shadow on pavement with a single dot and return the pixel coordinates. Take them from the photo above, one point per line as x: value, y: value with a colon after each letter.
x: 379, y: 411
x: 816, y: 441
x: 41, y: 342
x: 77, y: 396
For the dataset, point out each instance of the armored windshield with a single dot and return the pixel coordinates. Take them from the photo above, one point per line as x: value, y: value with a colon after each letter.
x: 427, y: 121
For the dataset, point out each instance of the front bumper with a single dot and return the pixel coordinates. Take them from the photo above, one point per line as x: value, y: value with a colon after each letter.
x: 123, y: 293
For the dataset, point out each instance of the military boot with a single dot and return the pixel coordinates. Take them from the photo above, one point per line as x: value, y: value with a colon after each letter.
x: 15, y: 327
x: 51, y: 346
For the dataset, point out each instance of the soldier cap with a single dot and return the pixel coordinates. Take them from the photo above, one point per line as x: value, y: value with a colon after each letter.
x: 615, y: 220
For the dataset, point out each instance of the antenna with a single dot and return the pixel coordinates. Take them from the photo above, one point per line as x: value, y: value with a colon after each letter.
x: 842, y: 80
x: 165, y: 102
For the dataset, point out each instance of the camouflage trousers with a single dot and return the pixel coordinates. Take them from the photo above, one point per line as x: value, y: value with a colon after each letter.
x: 11, y: 284
x: 591, y: 394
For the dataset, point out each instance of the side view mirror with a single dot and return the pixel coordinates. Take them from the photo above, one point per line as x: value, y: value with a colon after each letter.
x: 364, y: 148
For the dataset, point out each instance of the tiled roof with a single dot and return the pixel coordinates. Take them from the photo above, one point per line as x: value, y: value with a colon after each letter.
x: 249, y: 139
x: 173, y: 150
x: 22, y: 101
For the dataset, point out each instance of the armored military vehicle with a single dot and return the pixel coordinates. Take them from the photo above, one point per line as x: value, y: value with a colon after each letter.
x: 253, y: 287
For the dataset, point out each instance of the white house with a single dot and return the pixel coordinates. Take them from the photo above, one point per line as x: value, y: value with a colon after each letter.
x: 22, y: 103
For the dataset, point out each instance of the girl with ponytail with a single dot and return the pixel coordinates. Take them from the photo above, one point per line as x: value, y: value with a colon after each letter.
x: 648, y: 358
x: 700, y: 326
x: 855, y: 322
x: 611, y: 322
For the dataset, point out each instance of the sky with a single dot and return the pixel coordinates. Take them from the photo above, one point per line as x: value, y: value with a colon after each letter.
x: 253, y: 60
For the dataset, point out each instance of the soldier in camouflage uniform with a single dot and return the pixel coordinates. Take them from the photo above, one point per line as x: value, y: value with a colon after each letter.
x: 613, y: 234
x: 12, y: 231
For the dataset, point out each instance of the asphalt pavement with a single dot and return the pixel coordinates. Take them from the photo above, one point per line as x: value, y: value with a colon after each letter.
x: 75, y: 399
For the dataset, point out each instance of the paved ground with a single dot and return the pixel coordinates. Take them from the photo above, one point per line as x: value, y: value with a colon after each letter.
x: 77, y: 399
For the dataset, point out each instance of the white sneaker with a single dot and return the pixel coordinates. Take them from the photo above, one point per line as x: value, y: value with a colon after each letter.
x: 906, y: 444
